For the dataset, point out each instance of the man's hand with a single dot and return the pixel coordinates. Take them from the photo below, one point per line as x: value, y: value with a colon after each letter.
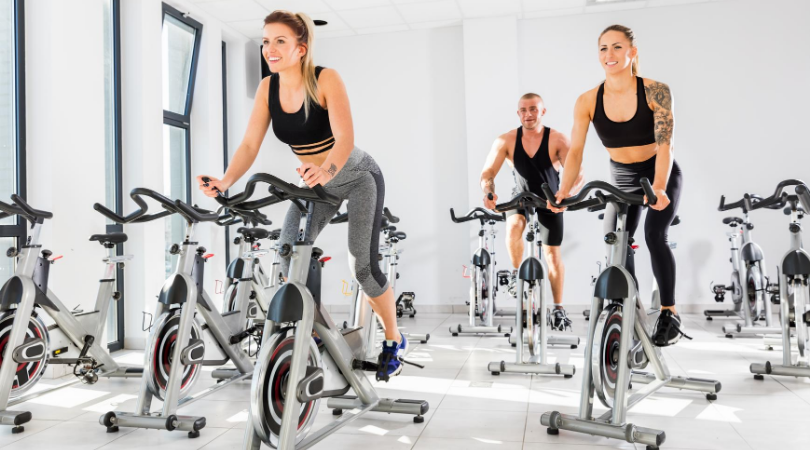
x: 489, y: 203
x: 559, y: 198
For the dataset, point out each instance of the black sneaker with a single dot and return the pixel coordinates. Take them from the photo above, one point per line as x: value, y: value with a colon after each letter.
x: 558, y: 319
x: 668, y: 329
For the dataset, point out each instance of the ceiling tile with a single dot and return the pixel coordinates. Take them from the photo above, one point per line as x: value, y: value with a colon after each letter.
x: 250, y: 28
x: 334, y: 34
x: 308, y: 6
x: 342, y: 5
x: 554, y: 12
x: 435, y: 24
x: 386, y: 29
x: 235, y: 10
x: 430, y: 11
x: 407, y: 2
x: 334, y: 22
x: 538, y: 5
x: 372, y: 17
x: 484, y: 8
x: 614, y: 6
x: 654, y: 3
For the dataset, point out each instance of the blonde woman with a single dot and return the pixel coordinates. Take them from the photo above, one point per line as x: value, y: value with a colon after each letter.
x: 309, y: 110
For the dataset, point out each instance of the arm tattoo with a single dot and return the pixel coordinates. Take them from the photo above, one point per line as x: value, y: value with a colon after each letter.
x: 489, y: 183
x: 332, y: 170
x: 661, y: 97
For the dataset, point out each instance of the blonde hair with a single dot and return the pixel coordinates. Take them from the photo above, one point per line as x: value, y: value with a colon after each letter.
x: 304, y: 29
x: 628, y: 33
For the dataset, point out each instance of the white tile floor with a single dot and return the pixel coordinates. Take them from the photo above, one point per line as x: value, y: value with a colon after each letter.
x: 471, y: 409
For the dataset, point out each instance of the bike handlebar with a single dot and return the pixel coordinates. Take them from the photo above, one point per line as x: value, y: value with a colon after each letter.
x: 616, y: 195
x: 476, y: 214
x: 391, y: 218
x: 779, y: 199
x: 280, y: 191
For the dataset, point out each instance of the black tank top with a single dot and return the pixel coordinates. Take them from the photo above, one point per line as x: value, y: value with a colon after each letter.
x: 302, y: 134
x: 638, y: 131
x: 531, y: 173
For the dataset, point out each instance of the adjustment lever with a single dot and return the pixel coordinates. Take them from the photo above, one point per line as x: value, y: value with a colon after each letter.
x: 239, y: 337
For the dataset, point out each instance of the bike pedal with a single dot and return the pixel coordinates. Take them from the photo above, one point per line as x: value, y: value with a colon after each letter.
x: 194, y: 353
x: 311, y: 387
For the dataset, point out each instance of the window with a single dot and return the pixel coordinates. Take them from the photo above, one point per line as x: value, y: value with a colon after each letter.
x: 180, y: 49
x: 113, y: 156
x: 225, y: 142
x: 12, y: 124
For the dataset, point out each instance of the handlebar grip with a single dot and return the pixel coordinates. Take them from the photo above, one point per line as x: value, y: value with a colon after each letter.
x: 23, y: 205
x: 325, y: 196
x: 722, y: 203
x: 391, y: 218
x: 550, y: 195
x: 747, y: 202
x: 193, y: 213
x: 648, y: 191
x: 453, y: 216
x: 490, y: 196
x: 108, y: 213
x: 804, y: 196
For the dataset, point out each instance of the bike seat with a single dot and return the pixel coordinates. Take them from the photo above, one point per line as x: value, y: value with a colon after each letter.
x: 728, y: 220
x: 253, y: 233
x: 390, y: 228
x: 400, y: 235
x: 113, y: 238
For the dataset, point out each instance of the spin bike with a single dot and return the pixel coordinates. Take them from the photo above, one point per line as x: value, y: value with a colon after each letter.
x: 390, y: 257
x: 749, y: 283
x: 295, y: 371
x: 483, y: 287
x: 619, y: 343
x: 655, y: 297
x: 27, y: 346
x: 793, y: 286
x: 260, y: 284
x: 531, y: 313
x: 176, y: 346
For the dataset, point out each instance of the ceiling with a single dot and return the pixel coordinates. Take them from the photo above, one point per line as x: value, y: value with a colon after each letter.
x: 352, y: 17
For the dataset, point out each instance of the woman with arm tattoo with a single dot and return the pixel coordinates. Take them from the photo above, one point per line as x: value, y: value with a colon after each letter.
x: 310, y: 112
x: 634, y: 118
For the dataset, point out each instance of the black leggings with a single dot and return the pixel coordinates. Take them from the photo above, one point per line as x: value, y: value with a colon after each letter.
x: 656, y: 226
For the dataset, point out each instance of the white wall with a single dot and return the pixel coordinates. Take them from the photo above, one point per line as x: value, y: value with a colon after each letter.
x: 65, y: 139
x: 731, y: 66
x: 408, y: 112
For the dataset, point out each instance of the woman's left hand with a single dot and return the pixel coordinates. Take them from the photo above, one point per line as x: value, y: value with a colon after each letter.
x: 663, y: 199
x: 314, y: 175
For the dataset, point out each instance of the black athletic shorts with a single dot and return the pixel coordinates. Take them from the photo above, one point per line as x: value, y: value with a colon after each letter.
x: 553, y: 222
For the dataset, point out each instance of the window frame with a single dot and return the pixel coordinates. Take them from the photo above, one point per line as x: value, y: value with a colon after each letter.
x: 225, y: 143
x: 115, y: 6
x: 183, y: 121
x: 19, y: 229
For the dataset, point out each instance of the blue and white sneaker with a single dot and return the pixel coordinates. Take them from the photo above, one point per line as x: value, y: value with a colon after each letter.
x: 390, y: 360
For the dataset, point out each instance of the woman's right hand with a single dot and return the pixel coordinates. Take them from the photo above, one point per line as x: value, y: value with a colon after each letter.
x: 490, y: 203
x: 213, y: 187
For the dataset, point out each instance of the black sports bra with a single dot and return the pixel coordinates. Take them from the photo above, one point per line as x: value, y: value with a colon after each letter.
x: 302, y: 134
x: 638, y: 131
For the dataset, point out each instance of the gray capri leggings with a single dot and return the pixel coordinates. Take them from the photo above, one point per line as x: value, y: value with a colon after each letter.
x: 361, y: 183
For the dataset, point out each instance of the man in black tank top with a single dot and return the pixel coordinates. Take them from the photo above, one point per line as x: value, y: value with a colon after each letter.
x: 536, y: 154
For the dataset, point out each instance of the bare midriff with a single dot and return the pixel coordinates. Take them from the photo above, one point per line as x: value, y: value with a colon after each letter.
x: 629, y: 155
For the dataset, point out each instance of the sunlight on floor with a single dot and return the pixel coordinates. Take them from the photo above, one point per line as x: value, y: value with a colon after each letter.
x: 110, y: 404
x: 68, y: 397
